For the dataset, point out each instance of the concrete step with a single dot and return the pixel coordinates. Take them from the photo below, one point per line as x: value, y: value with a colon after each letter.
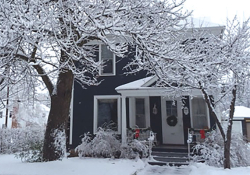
x: 162, y: 148
x: 169, y: 154
x: 169, y: 158
x: 178, y: 164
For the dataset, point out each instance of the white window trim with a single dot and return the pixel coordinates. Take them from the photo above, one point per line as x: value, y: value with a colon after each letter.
x: 132, y: 118
x: 96, y: 98
x: 191, y: 112
x: 100, y: 59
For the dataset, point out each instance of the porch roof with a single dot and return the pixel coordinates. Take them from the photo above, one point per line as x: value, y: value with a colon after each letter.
x: 142, y: 87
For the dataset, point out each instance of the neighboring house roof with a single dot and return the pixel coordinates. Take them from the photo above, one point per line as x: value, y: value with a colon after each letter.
x: 241, y: 112
x: 203, y: 24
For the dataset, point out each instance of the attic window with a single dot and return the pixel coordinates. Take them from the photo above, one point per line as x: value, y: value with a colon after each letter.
x: 108, y: 61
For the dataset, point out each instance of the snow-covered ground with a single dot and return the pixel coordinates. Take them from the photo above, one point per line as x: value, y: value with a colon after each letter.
x: 97, y: 166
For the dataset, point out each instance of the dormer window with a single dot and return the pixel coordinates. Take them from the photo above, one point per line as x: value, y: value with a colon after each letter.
x: 108, y: 61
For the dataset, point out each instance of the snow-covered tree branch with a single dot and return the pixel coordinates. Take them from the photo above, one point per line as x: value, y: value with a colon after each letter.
x: 52, y: 37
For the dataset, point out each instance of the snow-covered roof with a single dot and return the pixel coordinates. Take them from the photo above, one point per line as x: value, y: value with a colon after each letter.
x: 144, y: 82
x: 201, y: 22
x: 241, y: 111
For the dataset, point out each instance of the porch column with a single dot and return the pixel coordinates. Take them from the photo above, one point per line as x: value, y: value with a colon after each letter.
x: 124, y: 121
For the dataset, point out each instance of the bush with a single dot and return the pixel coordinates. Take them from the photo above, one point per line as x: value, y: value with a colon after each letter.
x: 25, y: 143
x: 33, y: 153
x: 106, y: 143
x: 212, y: 150
x: 19, y: 139
x: 134, y: 149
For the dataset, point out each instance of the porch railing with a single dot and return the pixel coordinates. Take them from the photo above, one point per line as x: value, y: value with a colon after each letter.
x: 195, y: 136
x: 141, y: 134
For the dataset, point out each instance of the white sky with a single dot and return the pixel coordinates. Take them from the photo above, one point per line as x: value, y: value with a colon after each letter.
x: 217, y: 11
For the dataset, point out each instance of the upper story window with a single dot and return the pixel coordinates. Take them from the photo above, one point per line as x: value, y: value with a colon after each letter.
x: 108, y: 61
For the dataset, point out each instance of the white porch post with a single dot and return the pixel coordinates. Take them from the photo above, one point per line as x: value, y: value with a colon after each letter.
x: 124, y: 121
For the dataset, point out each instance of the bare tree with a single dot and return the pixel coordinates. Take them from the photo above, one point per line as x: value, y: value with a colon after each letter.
x: 52, y: 37
x: 217, y: 66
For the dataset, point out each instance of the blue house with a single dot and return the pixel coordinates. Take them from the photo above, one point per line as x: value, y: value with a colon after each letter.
x: 134, y: 101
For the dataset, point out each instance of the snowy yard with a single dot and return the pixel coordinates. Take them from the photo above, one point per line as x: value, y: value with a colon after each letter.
x: 93, y: 166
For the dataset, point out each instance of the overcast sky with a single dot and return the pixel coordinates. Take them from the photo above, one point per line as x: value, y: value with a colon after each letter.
x: 219, y: 10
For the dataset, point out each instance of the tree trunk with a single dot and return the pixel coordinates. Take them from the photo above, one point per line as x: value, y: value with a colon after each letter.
x: 227, y: 161
x: 58, y: 116
x: 227, y: 142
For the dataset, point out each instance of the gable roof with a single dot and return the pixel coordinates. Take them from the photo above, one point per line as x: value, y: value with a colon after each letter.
x: 138, y: 84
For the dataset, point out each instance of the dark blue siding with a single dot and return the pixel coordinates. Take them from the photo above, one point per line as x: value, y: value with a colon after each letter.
x: 155, y: 119
x: 83, y: 104
x: 186, y: 118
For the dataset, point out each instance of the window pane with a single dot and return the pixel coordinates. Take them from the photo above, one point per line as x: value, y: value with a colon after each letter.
x: 107, y: 112
x: 248, y: 131
x: 199, y: 112
x: 140, y: 112
x: 107, y: 58
x: 171, y: 108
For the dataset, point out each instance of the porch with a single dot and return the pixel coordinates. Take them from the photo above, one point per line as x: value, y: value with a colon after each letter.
x: 145, y: 106
x: 167, y: 154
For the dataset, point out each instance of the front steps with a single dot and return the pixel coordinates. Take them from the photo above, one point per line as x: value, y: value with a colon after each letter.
x: 170, y: 155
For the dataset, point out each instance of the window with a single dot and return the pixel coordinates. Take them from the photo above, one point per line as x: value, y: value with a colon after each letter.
x: 140, y: 120
x: 10, y: 114
x: 108, y: 61
x: 199, y: 114
x: 106, y: 112
x: 171, y: 108
x: 139, y: 114
x: 248, y: 131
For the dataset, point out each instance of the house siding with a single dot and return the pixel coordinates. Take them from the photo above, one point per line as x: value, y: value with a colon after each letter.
x: 83, y: 100
x: 186, y: 118
x: 155, y: 119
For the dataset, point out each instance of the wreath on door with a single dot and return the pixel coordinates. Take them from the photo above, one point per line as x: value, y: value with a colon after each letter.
x: 172, y: 120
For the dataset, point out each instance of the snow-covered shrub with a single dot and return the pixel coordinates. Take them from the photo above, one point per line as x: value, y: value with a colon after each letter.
x: 106, y: 143
x: 26, y: 143
x: 134, y: 149
x: 19, y: 139
x: 212, y: 150
x: 32, y: 153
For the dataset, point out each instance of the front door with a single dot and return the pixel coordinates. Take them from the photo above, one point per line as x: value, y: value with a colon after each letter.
x: 172, y: 123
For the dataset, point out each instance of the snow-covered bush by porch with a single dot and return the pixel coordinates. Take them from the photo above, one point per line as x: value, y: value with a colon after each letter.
x: 212, y: 150
x: 106, y: 143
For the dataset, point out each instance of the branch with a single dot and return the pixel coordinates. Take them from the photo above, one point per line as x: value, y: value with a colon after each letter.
x: 41, y: 73
x: 211, y: 110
